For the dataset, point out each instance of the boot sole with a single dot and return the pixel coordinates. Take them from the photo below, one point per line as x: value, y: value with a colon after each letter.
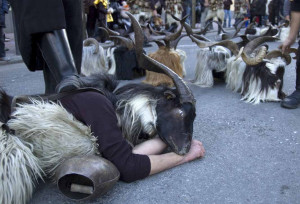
x: 289, y: 106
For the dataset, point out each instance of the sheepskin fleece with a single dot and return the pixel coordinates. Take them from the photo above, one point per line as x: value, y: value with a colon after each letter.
x: 19, y: 169
x: 54, y: 133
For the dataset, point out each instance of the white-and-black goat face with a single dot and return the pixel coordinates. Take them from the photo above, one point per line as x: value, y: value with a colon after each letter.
x: 146, y: 110
x: 263, y: 73
x: 264, y: 81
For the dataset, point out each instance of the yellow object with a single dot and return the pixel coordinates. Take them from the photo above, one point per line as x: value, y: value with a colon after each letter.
x: 104, y: 2
x: 109, y: 18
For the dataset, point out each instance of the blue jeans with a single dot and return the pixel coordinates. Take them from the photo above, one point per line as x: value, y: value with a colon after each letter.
x: 227, y: 15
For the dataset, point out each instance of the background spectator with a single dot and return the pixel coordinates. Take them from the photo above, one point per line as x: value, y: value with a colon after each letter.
x: 258, y: 9
x: 3, y: 11
x: 204, y: 12
x: 287, y: 10
x: 227, y: 4
x: 240, y: 11
x: 92, y: 16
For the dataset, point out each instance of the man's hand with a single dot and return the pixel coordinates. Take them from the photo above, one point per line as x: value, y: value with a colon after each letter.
x: 286, y: 44
x: 196, y: 151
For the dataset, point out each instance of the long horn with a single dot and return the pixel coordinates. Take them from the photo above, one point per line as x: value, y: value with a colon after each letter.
x: 127, y: 42
x: 201, y: 37
x: 150, y: 64
x: 111, y: 32
x: 278, y: 53
x: 154, y: 32
x: 91, y: 41
x: 249, y: 48
x: 225, y: 43
x: 175, y: 42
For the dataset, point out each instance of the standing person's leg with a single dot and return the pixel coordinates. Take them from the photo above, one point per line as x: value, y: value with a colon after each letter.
x: 293, y: 100
x: 2, y: 45
x: 229, y: 18
x: 225, y: 19
x: 91, y: 21
x: 203, y: 16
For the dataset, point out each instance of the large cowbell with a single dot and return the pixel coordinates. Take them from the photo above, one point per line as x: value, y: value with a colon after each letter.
x: 86, y: 177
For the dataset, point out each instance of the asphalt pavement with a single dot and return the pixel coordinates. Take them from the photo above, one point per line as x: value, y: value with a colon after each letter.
x: 252, y: 151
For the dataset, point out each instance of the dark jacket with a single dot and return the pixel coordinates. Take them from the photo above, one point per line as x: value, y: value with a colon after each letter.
x: 33, y: 17
x: 3, y: 11
x: 153, y: 2
x: 227, y: 4
x: 258, y: 7
x: 102, y: 12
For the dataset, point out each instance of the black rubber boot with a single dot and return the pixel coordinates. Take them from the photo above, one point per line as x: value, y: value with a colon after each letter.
x: 293, y: 101
x: 56, y: 51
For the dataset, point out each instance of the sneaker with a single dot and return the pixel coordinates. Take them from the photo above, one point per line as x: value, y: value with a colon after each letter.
x: 292, y: 101
x: 4, y: 59
x: 108, y: 41
x: 7, y: 40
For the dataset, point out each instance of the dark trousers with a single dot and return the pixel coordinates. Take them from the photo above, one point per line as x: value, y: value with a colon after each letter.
x: 2, y: 45
x: 298, y: 68
x: 91, y: 21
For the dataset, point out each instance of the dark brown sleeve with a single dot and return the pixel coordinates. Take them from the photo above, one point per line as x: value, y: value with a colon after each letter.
x: 96, y: 111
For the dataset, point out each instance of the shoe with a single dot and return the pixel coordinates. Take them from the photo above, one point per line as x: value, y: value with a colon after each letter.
x: 6, y: 49
x: 4, y: 59
x: 7, y: 40
x: 292, y: 101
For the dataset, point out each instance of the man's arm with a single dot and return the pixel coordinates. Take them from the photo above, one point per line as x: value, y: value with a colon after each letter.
x: 295, y: 25
x: 169, y: 160
x: 150, y: 147
x: 166, y: 161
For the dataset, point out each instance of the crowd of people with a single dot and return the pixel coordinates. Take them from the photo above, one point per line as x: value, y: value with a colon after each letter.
x: 265, y: 11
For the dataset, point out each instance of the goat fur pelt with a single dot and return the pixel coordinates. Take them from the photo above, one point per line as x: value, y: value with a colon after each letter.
x: 111, y: 62
x: 209, y: 60
x: 284, y: 33
x: 215, y: 14
x: 259, y: 83
x: 54, y: 133
x: 92, y: 62
x: 126, y: 64
x: 263, y: 82
x: 19, y: 170
x: 234, y: 73
x: 171, y: 59
x: 138, y: 115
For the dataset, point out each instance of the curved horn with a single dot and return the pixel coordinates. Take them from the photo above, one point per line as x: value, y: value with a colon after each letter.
x: 154, y: 32
x: 278, y: 53
x: 175, y: 43
x: 249, y: 48
x: 175, y: 35
x: 225, y: 43
x: 127, y: 42
x: 293, y: 50
x: 91, y: 41
x: 150, y: 64
x: 111, y: 32
x: 201, y: 37
x: 159, y: 44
